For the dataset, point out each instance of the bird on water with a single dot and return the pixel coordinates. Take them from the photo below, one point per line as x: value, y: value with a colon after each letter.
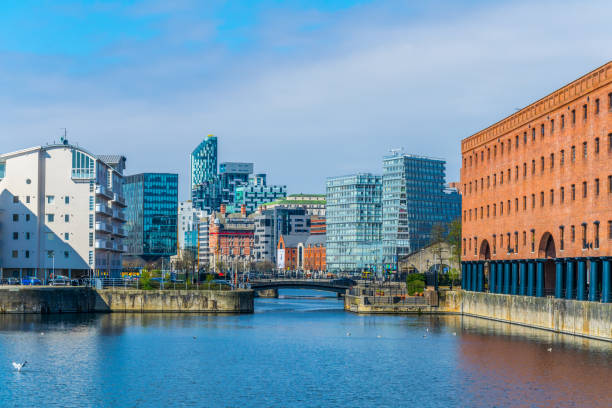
x: 18, y: 366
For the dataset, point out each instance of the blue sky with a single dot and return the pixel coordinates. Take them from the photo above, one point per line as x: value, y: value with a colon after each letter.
x: 305, y: 89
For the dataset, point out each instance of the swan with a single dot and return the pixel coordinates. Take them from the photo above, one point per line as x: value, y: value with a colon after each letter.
x: 18, y: 366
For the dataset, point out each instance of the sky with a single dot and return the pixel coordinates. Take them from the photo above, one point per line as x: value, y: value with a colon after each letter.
x: 304, y: 89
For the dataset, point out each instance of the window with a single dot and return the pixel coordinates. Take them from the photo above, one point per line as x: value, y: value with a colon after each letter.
x: 495, y: 151
x: 533, y: 134
x: 66, y: 236
x: 552, y: 161
x: 609, y: 229
x: 584, y: 189
x: 50, y: 217
x: 91, y: 239
x: 573, y: 154
x: 517, y: 141
x: 15, y: 217
x: 515, y: 241
x: 596, y: 145
x: 502, y: 148
x: 561, y: 237
x: 532, y: 240
x: 533, y: 167
x: 516, y: 205
x: 27, y: 217
x: 27, y: 235
x: 552, y: 197
x: 15, y: 236
x: 66, y: 218
x: 15, y: 199
x: 487, y: 211
x: 50, y: 199
x: 66, y: 254
x: 542, y: 164
x: 562, y: 195
x: 584, y: 150
x: 28, y: 199
x: 524, y: 170
x: 562, y: 121
x: 562, y: 160
x: 610, y: 142
x: 573, y: 233
x: 596, y: 106
x: 552, y: 126
x: 573, y: 192
x: 494, y: 210
x: 524, y: 238
x: 584, y: 235
x: 596, y: 186
x: 67, y: 200
x: 501, y: 208
x: 14, y: 254
x: 533, y: 201
x: 610, y: 101
x: 524, y: 137
x: 584, y: 111
x: 542, y: 130
x: 541, y: 199
x: 524, y: 203
x: 501, y: 177
x: 609, y: 184
x: 573, y: 116
x: 27, y: 254
x: 509, y: 145
x: 91, y: 220
x: 596, y: 234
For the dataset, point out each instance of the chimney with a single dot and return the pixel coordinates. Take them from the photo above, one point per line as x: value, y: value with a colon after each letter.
x: 243, y: 210
x: 223, y: 209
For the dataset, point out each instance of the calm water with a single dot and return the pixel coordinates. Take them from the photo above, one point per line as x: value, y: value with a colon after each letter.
x: 295, y: 352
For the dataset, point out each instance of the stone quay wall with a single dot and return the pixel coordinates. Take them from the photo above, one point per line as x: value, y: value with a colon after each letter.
x: 85, y: 300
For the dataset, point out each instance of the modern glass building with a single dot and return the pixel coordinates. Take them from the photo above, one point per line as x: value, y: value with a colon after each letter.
x: 354, y: 223
x: 152, y: 209
x: 231, y: 176
x: 414, y: 199
x: 204, y: 162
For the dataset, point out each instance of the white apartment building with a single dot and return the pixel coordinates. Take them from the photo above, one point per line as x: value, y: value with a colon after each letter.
x: 62, y: 212
x: 188, y: 224
x: 203, y: 243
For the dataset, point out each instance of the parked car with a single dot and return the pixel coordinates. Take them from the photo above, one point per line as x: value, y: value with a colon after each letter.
x: 3, y: 281
x: 31, y: 280
x: 75, y: 282
x: 60, y: 280
x: 13, y: 281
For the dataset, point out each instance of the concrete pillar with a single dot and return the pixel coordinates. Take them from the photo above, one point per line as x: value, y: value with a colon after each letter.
x: 480, y: 286
x: 500, y: 277
x: 463, y: 275
x: 492, y: 277
x: 593, y: 280
x: 581, y: 280
x: 522, y: 278
x: 569, y: 280
x: 559, y: 278
x: 506, y: 278
x: 514, y: 285
x: 605, y: 280
x: 531, y: 278
x: 540, y: 279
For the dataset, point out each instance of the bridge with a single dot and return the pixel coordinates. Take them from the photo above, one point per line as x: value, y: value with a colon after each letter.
x: 328, y: 285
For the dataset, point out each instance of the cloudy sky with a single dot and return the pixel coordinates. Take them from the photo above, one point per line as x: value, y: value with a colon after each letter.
x: 304, y: 89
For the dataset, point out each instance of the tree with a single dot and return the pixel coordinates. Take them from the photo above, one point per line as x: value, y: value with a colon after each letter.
x: 454, y: 239
x: 438, y: 236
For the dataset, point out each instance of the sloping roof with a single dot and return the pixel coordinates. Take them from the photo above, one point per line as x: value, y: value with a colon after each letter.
x: 292, y: 240
x: 319, y: 239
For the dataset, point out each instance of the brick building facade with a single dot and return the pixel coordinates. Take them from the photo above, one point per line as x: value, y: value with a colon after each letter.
x: 231, y: 237
x: 537, y: 196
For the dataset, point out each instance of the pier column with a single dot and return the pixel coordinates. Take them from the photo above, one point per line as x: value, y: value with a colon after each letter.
x: 605, y: 280
x: 559, y: 278
x: 594, y: 280
x: 531, y: 277
x: 514, y: 286
x: 470, y: 271
x: 500, y: 277
x: 522, y: 278
x: 463, y: 279
x: 540, y: 279
x: 506, y: 277
x: 569, y: 280
x: 492, y: 277
x: 581, y: 280
x: 474, y: 284
x: 480, y: 287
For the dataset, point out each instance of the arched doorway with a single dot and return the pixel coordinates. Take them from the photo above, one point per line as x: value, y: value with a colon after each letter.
x: 547, y: 251
x: 484, y: 255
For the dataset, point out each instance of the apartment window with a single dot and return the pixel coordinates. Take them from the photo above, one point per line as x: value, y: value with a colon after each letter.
x: 66, y: 236
x: 509, y: 175
x: 542, y: 164
x: 67, y: 200
x: 14, y: 254
x: 524, y: 238
x: 552, y: 197
x: 91, y: 239
x: 533, y: 167
x: 494, y: 244
x: 573, y: 192
x: 584, y: 235
x: 509, y: 146
x: 501, y: 177
x: 516, y: 172
x: 15, y: 217
x: 532, y: 240
x: 50, y: 217
x: 562, y: 160
x: 494, y: 210
x: 27, y: 254
x: 542, y: 130
x: 516, y: 207
x: 552, y: 125
x: 584, y: 189
x: 562, y: 195
x: 66, y: 218
x: 50, y: 199
x: 596, y: 234
x: 15, y: 236
x: 541, y: 199
x: 464, y: 246
x: 515, y: 241
x: 584, y: 111
x: 524, y: 203
x: 524, y: 170
x: 573, y: 233
x: 597, y: 187
x: 584, y: 150
x: 488, y: 181
x: 573, y: 154
x: 596, y: 106
x: 533, y: 134
x: 533, y: 201
x: 15, y: 199
x: 91, y: 258
x: 28, y: 199
x: 66, y: 254
x: 502, y: 148
x: 552, y: 161
x: 561, y: 228
x: 494, y: 179
x: 488, y: 153
x: 509, y: 207
x: 596, y: 145
x: 524, y: 137
x: 501, y: 208
x: 27, y: 235
x: 91, y: 203
x: 562, y: 121
x: 573, y: 116
x: 475, y: 246
x: 495, y: 151
x: 91, y: 220
x: 516, y: 141
x: 27, y: 217
x: 91, y: 186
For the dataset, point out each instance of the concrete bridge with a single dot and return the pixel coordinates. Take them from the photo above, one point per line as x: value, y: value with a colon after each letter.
x: 328, y: 285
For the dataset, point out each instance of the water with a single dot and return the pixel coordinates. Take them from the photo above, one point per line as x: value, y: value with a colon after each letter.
x: 295, y: 352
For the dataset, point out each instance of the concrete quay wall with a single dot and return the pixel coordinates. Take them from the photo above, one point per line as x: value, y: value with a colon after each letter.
x: 84, y: 300
x: 581, y: 318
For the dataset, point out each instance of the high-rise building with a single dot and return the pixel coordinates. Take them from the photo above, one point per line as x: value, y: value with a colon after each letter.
x: 188, y: 224
x: 354, y: 222
x: 537, y: 196
x: 230, y: 239
x: 152, y: 210
x: 414, y: 199
x: 231, y: 176
x: 271, y: 224
x: 204, y: 243
x: 252, y: 196
x: 204, y: 162
x: 63, y: 212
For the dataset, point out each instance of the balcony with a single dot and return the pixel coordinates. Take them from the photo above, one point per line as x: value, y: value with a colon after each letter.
x: 118, y: 214
x: 103, y: 209
x: 119, y: 200
x: 103, y: 191
x: 103, y: 244
x: 104, y: 227
x: 120, y: 232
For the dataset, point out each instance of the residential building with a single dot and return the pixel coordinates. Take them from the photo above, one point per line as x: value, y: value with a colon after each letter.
x: 205, y: 191
x: 354, y: 223
x: 290, y: 252
x: 231, y: 176
x: 254, y: 195
x: 414, y: 200
x: 152, y: 210
x: 314, y: 254
x: 537, y: 196
x: 271, y: 224
x: 63, y: 212
x: 231, y: 239
x: 204, y: 243
x: 314, y: 204
x: 188, y: 225
x: 317, y: 225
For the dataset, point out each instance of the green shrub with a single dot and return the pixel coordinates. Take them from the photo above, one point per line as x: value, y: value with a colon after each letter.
x: 415, y: 286
x: 145, y: 280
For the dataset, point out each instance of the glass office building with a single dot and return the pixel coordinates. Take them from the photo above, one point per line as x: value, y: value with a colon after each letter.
x: 354, y: 223
x: 414, y: 199
x: 152, y: 210
x: 204, y: 162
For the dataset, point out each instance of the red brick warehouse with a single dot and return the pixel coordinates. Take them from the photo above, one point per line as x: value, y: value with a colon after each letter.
x: 537, y: 196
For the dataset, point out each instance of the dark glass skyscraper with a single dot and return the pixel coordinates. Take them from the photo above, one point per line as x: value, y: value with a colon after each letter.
x: 152, y: 210
x: 204, y: 162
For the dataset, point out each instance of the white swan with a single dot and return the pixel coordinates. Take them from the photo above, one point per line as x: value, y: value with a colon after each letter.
x: 18, y: 366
